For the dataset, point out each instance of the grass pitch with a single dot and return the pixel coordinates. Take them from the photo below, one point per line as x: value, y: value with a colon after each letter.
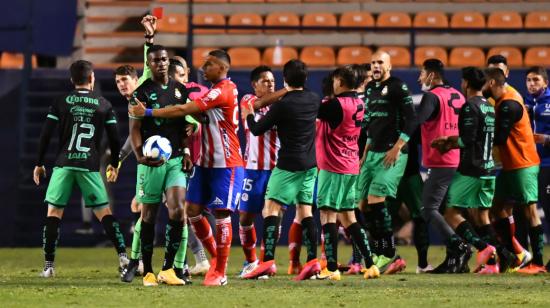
x: 88, y: 277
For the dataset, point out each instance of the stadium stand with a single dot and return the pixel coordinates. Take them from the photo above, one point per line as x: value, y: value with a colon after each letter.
x: 10, y: 60
x: 245, y: 19
x: 244, y: 57
x: 466, y: 56
x: 353, y: 54
x: 318, y: 56
x: 427, y: 52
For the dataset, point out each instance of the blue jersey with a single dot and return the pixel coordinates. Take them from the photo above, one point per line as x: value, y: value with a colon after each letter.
x: 540, y: 119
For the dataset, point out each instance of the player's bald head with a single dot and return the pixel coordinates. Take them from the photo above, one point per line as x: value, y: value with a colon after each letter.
x: 381, y: 55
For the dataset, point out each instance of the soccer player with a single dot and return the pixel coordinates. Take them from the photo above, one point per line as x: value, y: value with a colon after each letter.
x: 293, y: 179
x: 158, y: 177
x: 517, y: 182
x: 438, y: 116
x: 390, y: 121
x: 409, y: 192
x: 365, y: 76
x: 260, y: 158
x: 538, y: 99
x: 473, y: 184
x: 338, y: 160
x: 509, y: 225
x: 179, y: 71
x: 82, y: 116
x: 127, y: 81
x: 216, y: 182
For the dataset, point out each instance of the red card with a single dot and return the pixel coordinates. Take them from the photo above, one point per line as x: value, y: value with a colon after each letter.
x: 157, y: 12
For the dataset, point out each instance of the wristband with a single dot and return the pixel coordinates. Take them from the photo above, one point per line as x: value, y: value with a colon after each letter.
x: 147, y: 36
x: 149, y: 112
x: 186, y: 151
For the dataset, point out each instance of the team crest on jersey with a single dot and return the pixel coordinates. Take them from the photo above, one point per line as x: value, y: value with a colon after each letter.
x: 177, y: 93
x: 384, y: 91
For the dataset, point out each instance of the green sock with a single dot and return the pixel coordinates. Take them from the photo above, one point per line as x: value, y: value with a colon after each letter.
x: 136, y: 241
x: 179, y: 260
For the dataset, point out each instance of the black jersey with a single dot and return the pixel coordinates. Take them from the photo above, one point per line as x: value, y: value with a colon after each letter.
x: 82, y: 117
x: 476, y: 125
x: 389, y: 115
x: 295, y: 116
x: 155, y: 96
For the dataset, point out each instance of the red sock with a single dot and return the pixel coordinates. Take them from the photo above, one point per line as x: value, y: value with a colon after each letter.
x: 248, y: 241
x: 203, y: 231
x: 224, y: 235
x: 515, y: 244
x: 295, y: 241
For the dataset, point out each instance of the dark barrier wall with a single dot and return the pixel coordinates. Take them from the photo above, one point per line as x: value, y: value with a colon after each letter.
x: 11, y: 171
x: 54, y: 24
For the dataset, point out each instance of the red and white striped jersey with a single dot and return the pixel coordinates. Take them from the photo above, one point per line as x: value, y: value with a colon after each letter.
x: 220, y: 147
x: 261, y: 151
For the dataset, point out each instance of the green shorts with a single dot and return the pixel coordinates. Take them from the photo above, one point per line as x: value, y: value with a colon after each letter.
x: 62, y: 182
x: 471, y: 192
x: 335, y: 191
x: 153, y: 181
x: 518, y: 186
x: 409, y: 192
x: 288, y: 187
x: 377, y: 180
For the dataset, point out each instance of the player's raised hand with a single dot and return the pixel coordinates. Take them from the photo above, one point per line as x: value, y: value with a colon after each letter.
x: 137, y: 110
x: 39, y: 172
x: 149, y: 22
x: 112, y: 174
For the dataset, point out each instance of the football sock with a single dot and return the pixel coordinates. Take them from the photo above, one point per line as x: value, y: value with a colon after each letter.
x: 180, y: 260
x: 356, y: 255
x: 502, y: 227
x: 384, y: 229
x: 147, y: 237
x: 136, y: 241
x: 518, y: 248
x: 247, y: 235
x: 359, y: 237
x: 203, y: 231
x: 195, y: 245
x: 224, y: 235
x: 330, y: 232
x: 536, y: 237
x: 421, y: 241
x: 50, y: 237
x: 370, y: 226
x: 309, y: 234
x: 467, y: 232
x: 295, y: 241
x: 112, y: 228
x: 271, y: 228
x: 173, y: 242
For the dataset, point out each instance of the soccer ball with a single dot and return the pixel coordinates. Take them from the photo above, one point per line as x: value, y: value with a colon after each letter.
x: 157, y: 147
